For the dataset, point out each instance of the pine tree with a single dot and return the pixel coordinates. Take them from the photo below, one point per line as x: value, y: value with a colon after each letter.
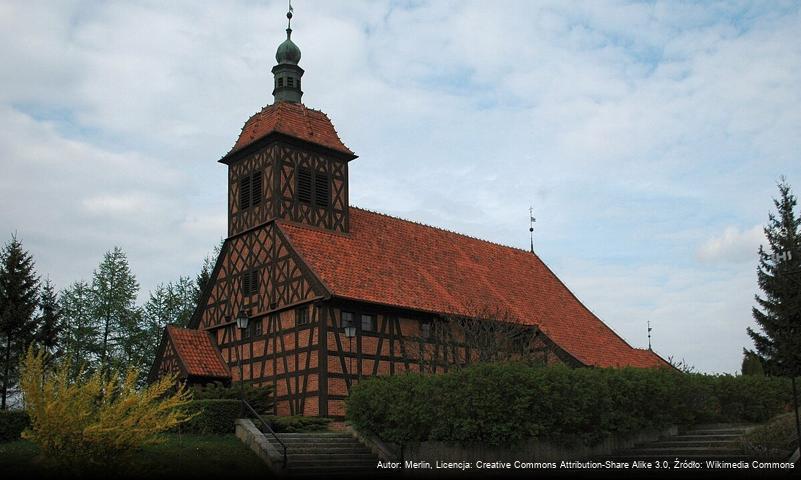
x: 778, y: 310
x: 81, y: 329
x: 115, y: 288
x: 49, y: 325
x: 19, y: 288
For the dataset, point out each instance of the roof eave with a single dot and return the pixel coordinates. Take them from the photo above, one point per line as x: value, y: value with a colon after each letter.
x: 275, y: 136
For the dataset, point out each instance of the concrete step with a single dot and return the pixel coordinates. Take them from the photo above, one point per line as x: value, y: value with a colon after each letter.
x: 337, y: 450
x: 692, y: 443
x: 314, y: 434
x: 329, y: 472
x: 321, y: 441
x: 303, y: 457
x: 691, y: 438
x: 716, y: 431
x: 683, y: 451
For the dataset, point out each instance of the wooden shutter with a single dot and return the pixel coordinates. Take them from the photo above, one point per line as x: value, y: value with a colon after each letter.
x: 304, y: 185
x: 244, y: 193
x: 254, y: 281
x: 246, y: 284
x: 256, y: 189
x: 321, y: 190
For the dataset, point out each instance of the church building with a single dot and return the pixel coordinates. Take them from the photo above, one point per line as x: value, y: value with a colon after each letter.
x: 333, y: 293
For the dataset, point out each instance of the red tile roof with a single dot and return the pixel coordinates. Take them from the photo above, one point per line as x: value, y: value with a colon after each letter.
x: 295, y: 120
x: 391, y: 261
x: 199, y: 356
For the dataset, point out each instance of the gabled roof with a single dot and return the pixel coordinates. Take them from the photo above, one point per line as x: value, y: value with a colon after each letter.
x: 198, y: 355
x: 391, y: 261
x: 295, y: 120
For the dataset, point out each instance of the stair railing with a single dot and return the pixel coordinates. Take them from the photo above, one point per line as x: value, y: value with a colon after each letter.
x: 269, y: 429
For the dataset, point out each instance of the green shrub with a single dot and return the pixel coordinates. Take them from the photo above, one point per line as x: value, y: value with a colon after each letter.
x: 260, y: 398
x: 296, y: 424
x: 501, y: 404
x: 214, y: 416
x: 12, y: 423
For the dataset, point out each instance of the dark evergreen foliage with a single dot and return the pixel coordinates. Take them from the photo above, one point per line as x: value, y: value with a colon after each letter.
x: 81, y: 337
x: 752, y: 365
x: 19, y: 289
x: 778, y: 309
x: 49, y: 326
x: 114, y: 290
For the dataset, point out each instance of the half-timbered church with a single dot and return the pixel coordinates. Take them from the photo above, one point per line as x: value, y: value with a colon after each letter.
x: 334, y: 293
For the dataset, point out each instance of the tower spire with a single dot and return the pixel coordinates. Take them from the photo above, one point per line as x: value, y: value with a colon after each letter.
x: 531, y: 221
x: 649, y: 334
x: 287, y: 73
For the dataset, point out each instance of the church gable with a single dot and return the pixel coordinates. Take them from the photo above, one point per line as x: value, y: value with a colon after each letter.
x: 257, y: 272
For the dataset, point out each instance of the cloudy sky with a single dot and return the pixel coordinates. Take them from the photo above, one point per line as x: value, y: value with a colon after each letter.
x: 647, y: 136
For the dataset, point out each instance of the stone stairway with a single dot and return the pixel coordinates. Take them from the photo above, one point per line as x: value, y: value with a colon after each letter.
x: 703, y: 442
x: 326, y: 454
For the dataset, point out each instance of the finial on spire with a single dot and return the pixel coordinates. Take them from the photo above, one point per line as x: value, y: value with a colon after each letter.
x: 287, y: 73
x: 531, y: 221
x: 649, y: 334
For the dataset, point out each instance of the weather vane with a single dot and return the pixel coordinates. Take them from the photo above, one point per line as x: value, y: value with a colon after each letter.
x: 649, y: 334
x: 289, y: 15
x: 531, y: 221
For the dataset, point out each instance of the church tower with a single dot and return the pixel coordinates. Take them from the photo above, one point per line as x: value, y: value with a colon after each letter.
x: 288, y: 162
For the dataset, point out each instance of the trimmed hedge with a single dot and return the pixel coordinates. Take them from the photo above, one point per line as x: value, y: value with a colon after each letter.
x: 12, y: 423
x: 214, y: 416
x: 260, y: 398
x: 502, y: 404
x: 296, y: 424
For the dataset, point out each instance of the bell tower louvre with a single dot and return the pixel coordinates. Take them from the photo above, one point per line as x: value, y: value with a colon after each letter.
x: 333, y: 293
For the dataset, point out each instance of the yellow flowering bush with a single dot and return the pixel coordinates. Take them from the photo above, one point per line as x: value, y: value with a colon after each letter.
x: 96, y: 420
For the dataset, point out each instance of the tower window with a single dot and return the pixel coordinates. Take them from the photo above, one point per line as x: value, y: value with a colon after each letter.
x: 289, y: 82
x: 301, y: 316
x: 250, y: 191
x: 255, y: 189
x: 304, y: 185
x: 321, y: 190
x: 250, y: 282
x: 280, y: 82
x: 244, y: 193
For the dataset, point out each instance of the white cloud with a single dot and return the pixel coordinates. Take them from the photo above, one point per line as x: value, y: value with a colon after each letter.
x: 733, y: 245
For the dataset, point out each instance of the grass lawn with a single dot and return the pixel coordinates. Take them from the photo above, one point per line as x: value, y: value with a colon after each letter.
x: 199, y: 456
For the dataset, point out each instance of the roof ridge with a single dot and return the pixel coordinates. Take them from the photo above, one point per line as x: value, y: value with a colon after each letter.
x: 434, y: 227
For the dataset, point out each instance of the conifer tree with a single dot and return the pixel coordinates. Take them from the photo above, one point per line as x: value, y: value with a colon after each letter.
x: 82, y: 333
x: 778, y: 310
x: 115, y: 289
x: 19, y: 287
x: 49, y: 325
